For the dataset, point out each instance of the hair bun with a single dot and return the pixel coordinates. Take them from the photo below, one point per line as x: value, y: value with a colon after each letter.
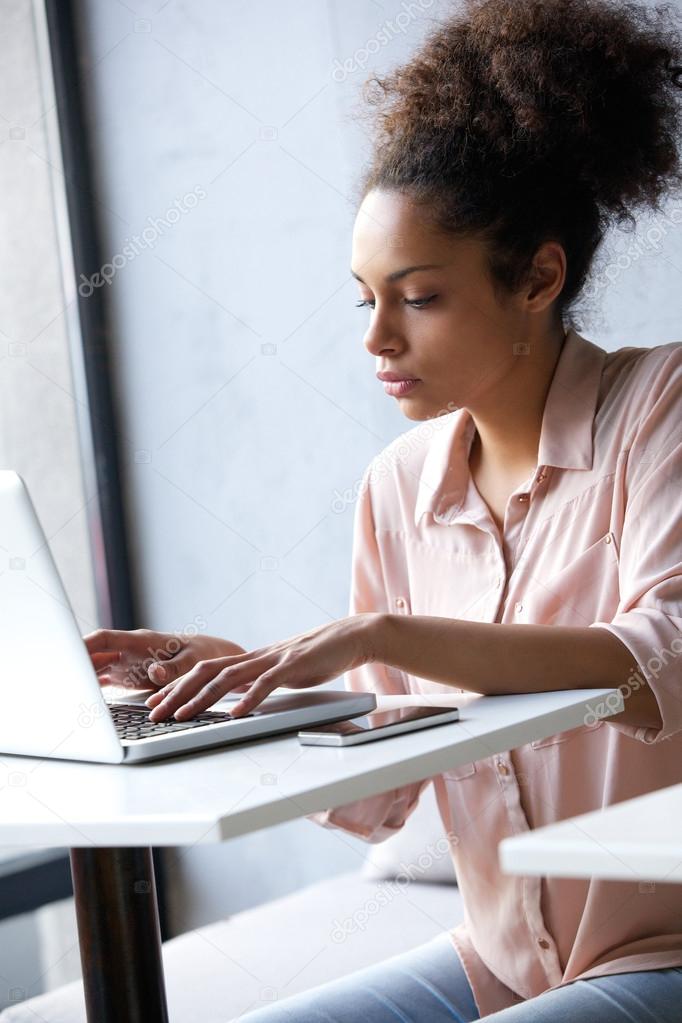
x: 578, y: 90
x: 529, y: 119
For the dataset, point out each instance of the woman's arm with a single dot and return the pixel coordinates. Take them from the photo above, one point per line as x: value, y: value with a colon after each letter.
x: 493, y: 659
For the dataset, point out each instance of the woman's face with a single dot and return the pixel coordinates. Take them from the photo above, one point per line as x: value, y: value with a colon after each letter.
x: 443, y: 326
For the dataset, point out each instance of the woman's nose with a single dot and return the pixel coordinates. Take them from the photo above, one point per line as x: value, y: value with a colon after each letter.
x: 380, y: 339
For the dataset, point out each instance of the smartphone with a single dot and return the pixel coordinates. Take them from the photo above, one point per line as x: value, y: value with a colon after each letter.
x: 377, y: 725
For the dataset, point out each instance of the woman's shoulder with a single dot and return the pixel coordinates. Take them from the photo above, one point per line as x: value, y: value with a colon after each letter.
x: 642, y: 393
x: 639, y: 378
x: 654, y: 364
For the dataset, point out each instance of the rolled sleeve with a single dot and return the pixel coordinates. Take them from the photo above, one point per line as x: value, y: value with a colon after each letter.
x: 375, y: 817
x: 648, y: 621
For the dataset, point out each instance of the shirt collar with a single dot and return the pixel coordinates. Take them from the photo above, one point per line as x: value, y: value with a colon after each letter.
x: 566, y: 435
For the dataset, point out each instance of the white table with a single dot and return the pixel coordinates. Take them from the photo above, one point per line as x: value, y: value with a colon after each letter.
x: 111, y: 815
x: 637, y: 839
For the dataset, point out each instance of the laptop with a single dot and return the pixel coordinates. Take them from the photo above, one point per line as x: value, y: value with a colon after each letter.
x: 52, y: 702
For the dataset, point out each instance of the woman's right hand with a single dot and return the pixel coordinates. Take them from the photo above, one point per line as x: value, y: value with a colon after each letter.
x: 144, y: 659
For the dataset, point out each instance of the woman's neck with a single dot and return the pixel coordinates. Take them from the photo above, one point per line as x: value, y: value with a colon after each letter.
x: 508, y: 427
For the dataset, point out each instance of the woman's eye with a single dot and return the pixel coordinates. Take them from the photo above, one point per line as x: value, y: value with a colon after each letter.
x: 416, y: 303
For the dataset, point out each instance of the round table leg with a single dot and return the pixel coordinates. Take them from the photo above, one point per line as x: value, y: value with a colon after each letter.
x: 119, y: 936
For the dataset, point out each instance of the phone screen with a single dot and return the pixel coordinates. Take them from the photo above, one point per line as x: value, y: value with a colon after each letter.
x: 377, y: 720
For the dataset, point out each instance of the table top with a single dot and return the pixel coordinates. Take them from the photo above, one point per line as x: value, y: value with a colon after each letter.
x: 211, y: 795
x: 639, y: 838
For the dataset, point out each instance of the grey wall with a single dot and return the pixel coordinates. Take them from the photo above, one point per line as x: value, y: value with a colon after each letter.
x: 248, y: 400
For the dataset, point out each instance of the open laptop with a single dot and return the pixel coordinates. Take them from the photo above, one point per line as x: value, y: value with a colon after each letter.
x: 52, y: 703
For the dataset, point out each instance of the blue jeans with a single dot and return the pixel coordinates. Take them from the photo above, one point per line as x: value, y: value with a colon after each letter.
x: 428, y: 985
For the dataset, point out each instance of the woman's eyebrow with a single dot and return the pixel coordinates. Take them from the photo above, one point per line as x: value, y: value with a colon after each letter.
x: 397, y: 274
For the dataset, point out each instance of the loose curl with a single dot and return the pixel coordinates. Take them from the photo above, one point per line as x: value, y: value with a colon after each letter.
x: 522, y: 122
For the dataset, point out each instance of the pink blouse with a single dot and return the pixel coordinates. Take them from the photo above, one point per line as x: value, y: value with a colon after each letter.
x: 593, y: 537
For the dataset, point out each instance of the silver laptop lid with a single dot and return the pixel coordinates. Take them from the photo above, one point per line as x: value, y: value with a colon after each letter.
x: 52, y: 704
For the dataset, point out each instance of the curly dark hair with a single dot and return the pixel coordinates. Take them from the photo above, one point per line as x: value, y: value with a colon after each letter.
x: 521, y: 121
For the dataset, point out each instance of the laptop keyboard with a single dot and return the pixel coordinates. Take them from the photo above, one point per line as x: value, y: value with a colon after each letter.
x: 132, y: 721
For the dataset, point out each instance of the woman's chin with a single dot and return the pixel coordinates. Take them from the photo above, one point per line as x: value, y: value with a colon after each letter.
x: 419, y: 410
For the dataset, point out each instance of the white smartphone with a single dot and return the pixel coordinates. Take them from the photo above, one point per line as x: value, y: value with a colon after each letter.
x: 377, y: 725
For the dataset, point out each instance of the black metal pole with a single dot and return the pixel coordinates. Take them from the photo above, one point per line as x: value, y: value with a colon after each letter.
x: 118, y: 929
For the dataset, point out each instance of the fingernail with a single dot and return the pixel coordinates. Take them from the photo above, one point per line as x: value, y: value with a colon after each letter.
x: 159, y: 670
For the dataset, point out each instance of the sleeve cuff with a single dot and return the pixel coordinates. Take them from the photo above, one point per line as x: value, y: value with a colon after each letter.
x: 359, y: 818
x: 655, y: 641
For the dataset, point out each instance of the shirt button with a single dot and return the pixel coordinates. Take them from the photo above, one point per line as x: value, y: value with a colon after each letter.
x: 518, y: 607
x: 399, y: 602
x: 540, y: 477
x: 523, y: 497
x: 543, y: 943
x: 502, y: 767
x: 607, y: 539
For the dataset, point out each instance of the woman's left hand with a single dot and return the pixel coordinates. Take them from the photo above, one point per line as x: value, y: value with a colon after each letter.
x: 307, y: 659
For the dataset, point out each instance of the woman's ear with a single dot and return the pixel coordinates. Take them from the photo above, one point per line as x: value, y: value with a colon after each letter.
x: 547, y: 276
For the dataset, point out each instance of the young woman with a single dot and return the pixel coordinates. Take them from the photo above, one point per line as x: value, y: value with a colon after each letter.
x: 526, y: 536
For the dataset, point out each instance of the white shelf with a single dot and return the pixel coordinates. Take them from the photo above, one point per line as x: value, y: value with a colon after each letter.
x: 637, y: 839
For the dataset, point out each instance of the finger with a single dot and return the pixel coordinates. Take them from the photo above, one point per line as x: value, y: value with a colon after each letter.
x: 100, y: 639
x: 154, y: 699
x: 200, y: 689
x: 183, y: 689
x: 173, y: 666
x: 105, y: 657
x: 257, y: 692
x: 205, y: 698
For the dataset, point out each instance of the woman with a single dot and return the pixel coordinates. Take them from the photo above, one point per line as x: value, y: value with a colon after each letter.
x: 541, y: 490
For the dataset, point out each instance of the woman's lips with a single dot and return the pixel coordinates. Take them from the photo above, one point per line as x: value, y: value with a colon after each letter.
x: 399, y: 388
